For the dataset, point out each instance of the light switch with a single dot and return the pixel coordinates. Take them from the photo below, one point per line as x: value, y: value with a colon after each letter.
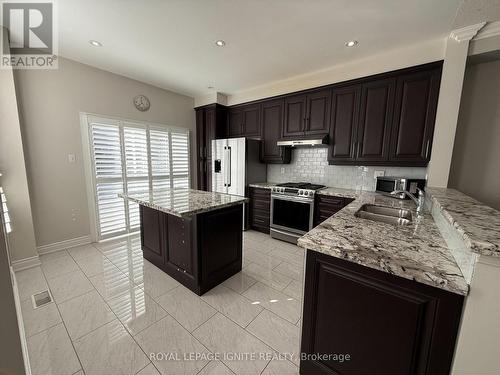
x: 71, y: 158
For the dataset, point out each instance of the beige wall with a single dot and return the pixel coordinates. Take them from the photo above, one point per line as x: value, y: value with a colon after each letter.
x: 476, y: 154
x: 50, y: 103
x: 12, y: 167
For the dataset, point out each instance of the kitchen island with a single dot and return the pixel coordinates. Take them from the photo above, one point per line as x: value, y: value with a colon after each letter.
x: 194, y: 236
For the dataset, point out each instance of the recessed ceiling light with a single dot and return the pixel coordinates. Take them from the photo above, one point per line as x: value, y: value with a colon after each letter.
x: 220, y: 43
x: 351, y: 43
x: 95, y: 43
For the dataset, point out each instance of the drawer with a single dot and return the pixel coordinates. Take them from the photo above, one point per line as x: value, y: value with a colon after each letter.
x: 330, y: 200
x: 257, y: 204
x: 260, y: 221
x: 260, y: 193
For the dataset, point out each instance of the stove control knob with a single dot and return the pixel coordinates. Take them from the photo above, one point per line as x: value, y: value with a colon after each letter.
x: 301, y: 192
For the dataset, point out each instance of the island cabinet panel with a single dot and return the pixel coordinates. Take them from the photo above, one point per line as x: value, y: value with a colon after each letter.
x: 272, y: 127
x: 386, y: 324
x: 221, y: 253
x: 260, y: 209
x: 375, y: 120
x: 325, y: 206
x: 181, y: 253
x: 153, y: 235
x: 344, y: 122
x: 414, y: 117
x: 199, y: 251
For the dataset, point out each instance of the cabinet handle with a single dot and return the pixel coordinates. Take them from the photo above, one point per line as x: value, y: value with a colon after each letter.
x: 357, y: 148
x: 427, y: 148
x: 353, y: 150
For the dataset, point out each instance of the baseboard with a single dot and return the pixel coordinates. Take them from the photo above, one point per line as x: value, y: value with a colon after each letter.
x: 20, y: 322
x: 24, y: 264
x: 63, y: 245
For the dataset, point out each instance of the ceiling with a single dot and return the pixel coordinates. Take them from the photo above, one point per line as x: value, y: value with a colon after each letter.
x: 171, y: 44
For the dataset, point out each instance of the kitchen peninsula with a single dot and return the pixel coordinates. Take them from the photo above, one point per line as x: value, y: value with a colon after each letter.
x: 194, y: 236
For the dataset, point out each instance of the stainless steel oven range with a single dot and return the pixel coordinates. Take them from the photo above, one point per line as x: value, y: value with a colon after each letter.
x: 292, y: 210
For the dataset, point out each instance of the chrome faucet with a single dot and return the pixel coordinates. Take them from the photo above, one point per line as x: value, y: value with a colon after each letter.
x: 418, y: 201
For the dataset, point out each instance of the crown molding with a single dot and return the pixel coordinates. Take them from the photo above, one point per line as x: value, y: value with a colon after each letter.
x: 466, y: 33
x: 490, y: 30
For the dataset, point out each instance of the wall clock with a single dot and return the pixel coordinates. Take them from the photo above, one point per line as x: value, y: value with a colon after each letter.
x: 142, y: 103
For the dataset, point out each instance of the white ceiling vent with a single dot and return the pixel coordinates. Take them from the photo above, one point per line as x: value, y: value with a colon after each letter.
x: 41, y: 299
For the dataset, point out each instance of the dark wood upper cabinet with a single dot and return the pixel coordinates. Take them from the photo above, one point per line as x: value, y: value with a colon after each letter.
x: 307, y: 113
x: 235, y: 120
x: 244, y: 121
x: 251, y: 121
x: 388, y: 325
x: 318, y: 112
x: 210, y: 125
x: 272, y: 126
x: 295, y: 115
x: 414, y: 117
x: 375, y: 120
x: 344, y: 121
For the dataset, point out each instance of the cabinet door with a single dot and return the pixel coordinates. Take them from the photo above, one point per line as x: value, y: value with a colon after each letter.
x: 181, y: 251
x: 318, y: 112
x: 295, y: 115
x: 272, y: 127
x: 344, y: 121
x: 235, y: 122
x: 414, y: 116
x: 386, y: 324
x: 153, y: 235
x: 377, y: 101
x: 251, y: 121
x: 201, y: 149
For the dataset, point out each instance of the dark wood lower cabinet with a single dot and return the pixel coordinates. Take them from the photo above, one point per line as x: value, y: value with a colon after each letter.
x: 200, y: 251
x: 260, y: 209
x: 325, y: 206
x: 387, y: 325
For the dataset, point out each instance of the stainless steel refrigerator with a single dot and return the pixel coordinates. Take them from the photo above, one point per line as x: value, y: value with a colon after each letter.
x: 235, y: 164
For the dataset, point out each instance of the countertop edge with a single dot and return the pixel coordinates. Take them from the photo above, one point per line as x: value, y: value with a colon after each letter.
x: 475, y: 245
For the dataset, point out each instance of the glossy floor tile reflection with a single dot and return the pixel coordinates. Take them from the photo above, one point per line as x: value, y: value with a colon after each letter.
x: 113, y: 311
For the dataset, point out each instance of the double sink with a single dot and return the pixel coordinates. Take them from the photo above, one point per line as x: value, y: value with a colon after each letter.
x: 388, y: 215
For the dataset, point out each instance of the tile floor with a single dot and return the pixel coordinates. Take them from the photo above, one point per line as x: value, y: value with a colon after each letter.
x: 113, y: 309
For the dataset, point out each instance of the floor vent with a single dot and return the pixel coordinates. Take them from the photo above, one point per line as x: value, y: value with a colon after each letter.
x: 41, y: 299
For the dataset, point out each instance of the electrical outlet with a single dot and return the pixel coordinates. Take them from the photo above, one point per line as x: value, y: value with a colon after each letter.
x: 71, y: 158
x: 378, y: 174
x: 282, y: 170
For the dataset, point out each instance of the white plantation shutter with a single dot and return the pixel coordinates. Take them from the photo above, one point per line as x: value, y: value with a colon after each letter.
x: 107, y: 156
x: 133, y: 158
x: 180, y: 160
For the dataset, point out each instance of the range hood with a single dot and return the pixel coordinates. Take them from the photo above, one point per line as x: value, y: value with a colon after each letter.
x: 319, y: 140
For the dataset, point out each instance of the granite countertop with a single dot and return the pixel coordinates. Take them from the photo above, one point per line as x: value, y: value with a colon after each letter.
x: 476, y: 223
x: 263, y: 185
x: 416, y: 252
x: 184, y: 202
x: 338, y: 192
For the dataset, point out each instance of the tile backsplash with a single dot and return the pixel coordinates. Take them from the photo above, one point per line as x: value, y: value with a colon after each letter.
x: 311, y: 165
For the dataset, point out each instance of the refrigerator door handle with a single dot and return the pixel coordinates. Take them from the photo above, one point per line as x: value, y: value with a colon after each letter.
x: 229, y: 166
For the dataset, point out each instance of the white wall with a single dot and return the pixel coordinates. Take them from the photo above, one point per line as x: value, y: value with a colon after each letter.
x: 49, y: 103
x: 12, y: 167
x: 475, y: 167
x: 421, y: 53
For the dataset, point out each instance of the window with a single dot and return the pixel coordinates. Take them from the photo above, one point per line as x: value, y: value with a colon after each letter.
x: 5, y: 209
x: 135, y: 158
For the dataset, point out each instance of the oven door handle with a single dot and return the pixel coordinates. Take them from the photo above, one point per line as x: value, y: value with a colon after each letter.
x: 293, y: 199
